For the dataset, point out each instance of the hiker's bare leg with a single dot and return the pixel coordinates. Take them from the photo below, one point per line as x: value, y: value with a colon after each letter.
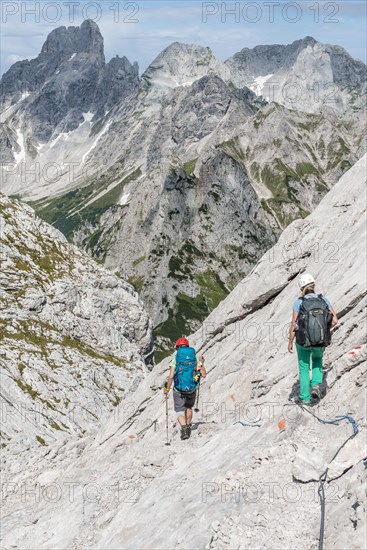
x: 186, y: 418
x: 189, y: 416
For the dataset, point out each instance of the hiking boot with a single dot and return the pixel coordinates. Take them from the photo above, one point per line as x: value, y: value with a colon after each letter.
x: 296, y: 399
x: 184, y: 433
x: 315, y: 392
x: 306, y: 402
x: 188, y: 430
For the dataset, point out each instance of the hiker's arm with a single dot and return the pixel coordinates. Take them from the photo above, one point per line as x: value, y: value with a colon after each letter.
x: 202, y: 368
x: 292, y: 329
x: 170, y: 380
x: 334, y: 320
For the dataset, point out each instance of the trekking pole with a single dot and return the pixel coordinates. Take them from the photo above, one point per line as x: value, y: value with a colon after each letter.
x: 197, y: 398
x: 167, y: 443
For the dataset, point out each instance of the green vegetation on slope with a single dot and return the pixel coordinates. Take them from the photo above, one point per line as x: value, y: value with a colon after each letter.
x: 188, y: 310
x: 69, y: 211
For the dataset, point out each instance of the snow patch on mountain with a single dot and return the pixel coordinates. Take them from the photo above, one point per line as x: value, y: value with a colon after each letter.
x: 124, y: 199
x: 88, y: 116
x: 257, y: 85
x: 21, y: 154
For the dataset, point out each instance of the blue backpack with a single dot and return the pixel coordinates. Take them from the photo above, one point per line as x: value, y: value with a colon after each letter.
x: 186, y: 378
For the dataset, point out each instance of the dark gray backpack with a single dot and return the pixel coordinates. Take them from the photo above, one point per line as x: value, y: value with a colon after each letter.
x: 314, y: 323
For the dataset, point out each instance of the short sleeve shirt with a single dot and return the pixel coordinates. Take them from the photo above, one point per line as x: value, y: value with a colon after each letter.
x: 297, y: 303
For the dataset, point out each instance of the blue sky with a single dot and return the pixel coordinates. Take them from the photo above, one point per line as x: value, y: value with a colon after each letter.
x: 141, y: 29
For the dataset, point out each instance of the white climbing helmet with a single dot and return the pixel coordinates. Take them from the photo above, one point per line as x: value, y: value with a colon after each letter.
x: 305, y: 280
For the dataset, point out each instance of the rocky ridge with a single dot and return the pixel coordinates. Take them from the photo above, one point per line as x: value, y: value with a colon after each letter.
x: 305, y: 75
x: 75, y: 338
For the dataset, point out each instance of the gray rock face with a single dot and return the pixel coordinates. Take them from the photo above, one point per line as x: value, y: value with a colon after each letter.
x: 181, y: 65
x: 75, y: 337
x: 305, y: 75
x: 67, y: 79
x: 8, y: 145
x: 253, y: 457
x: 262, y: 60
x: 86, y: 38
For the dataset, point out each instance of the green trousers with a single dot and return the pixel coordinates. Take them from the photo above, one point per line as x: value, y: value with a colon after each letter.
x: 305, y: 355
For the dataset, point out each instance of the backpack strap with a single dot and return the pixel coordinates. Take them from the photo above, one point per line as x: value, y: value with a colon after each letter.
x: 322, y: 298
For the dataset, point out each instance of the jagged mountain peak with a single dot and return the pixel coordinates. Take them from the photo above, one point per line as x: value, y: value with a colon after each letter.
x: 68, y: 78
x: 86, y: 38
x: 180, y: 64
x: 117, y: 63
x: 309, y: 39
x: 183, y: 47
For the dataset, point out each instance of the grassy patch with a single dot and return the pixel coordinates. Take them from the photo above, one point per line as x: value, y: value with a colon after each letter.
x: 26, y: 388
x: 306, y: 168
x: 345, y: 165
x: 188, y: 310
x: 212, y: 288
x: 189, y: 167
x: 136, y: 281
x: 180, y: 264
x: 55, y: 426
x: 92, y: 241
x: 67, y: 341
x: 49, y: 259
x: 233, y: 149
x: 44, y: 336
x: 69, y: 211
x: 116, y: 401
x: 138, y: 261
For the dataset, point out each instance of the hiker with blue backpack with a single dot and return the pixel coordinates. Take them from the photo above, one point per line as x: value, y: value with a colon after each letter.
x: 185, y: 373
x: 312, y: 319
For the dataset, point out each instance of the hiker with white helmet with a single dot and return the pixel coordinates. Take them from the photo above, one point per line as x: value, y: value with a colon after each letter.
x: 312, y: 319
x: 185, y: 373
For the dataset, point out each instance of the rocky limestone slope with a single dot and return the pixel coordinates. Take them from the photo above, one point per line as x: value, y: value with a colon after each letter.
x: 75, y: 338
x: 248, y: 475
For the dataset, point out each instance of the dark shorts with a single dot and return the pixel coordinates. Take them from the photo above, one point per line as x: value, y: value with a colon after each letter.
x: 183, y: 401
